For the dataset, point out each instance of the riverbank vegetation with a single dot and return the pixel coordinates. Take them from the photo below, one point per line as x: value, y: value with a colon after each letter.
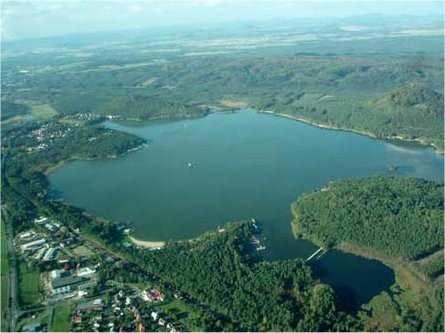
x: 396, y: 220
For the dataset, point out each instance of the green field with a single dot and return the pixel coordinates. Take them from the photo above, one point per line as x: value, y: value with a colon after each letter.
x: 180, y: 311
x: 29, y: 285
x: 82, y: 251
x: 61, y: 318
x: 4, y: 279
x: 43, y: 111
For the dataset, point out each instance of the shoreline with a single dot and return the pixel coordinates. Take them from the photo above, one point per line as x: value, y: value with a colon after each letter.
x: 147, y: 244
x: 351, y: 130
x: 405, y: 273
x: 59, y: 164
x: 222, y: 109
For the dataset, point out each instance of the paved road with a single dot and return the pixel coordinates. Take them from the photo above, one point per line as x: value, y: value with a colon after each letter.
x: 13, y: 302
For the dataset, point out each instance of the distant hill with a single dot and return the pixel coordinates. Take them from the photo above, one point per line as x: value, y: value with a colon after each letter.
x: 419, y: 96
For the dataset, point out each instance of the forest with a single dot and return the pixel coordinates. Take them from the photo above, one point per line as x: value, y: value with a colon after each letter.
x: 400, y: 217
x: 256, y: 295
x: 396, y: 220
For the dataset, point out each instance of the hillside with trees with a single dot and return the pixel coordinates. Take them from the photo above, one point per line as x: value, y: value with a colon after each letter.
x: 10, y: 110
x: 401, y: 217
x: 221, y: 270
x: 396, y: 220
x: 393, y: 92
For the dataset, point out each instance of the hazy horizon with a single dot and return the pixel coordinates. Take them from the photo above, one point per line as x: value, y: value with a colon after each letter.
x: 35, y: 19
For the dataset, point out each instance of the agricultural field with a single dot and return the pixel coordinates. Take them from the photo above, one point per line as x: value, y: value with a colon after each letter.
x: 28, y: 284
x: 61, y: 318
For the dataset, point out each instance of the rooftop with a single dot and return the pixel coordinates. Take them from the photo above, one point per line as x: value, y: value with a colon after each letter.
x: 66, y: 281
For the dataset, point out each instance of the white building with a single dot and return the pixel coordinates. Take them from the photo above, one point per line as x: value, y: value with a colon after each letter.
x: 33, y: 245
x: 56, y: 273
x: 41, y: 220
x: 85, y: 272
x: 27, y: 234
x: 50, y: 254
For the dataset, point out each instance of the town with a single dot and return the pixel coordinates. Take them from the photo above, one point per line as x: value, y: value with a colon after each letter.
x: 63, y: 285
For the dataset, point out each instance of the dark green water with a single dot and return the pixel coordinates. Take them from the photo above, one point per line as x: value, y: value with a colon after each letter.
x: 244, y: 165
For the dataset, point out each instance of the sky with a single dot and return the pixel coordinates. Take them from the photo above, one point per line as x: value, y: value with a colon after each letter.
x: 42, y: 18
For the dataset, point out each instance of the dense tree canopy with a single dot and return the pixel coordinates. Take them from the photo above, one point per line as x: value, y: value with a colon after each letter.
x: 220, y: 270
x: 400, y: 217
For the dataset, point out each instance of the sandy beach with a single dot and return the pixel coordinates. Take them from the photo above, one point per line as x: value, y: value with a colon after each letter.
x: 147, y: 244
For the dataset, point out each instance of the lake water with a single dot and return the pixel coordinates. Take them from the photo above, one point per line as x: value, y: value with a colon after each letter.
x: 244, y: 165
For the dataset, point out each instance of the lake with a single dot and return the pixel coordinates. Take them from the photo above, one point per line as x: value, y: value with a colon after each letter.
x: 243, y: 165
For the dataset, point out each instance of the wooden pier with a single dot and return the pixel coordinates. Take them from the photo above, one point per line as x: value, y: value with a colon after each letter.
x: 314, y: 254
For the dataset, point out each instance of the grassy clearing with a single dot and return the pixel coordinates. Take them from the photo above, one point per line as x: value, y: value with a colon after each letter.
x: 43, y: 111
x: 4, y: 279
x: 230, y: 103
x: 179, y: 310
x: 61, y: 318
x: 29, y: 284
x: 82, y: 251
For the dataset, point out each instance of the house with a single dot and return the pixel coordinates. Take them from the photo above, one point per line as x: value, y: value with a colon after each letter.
x: 77, y: 319
x: 155, y: 295
x: 97, y: 302
x: 154, y: 315
x: 161, y: 322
